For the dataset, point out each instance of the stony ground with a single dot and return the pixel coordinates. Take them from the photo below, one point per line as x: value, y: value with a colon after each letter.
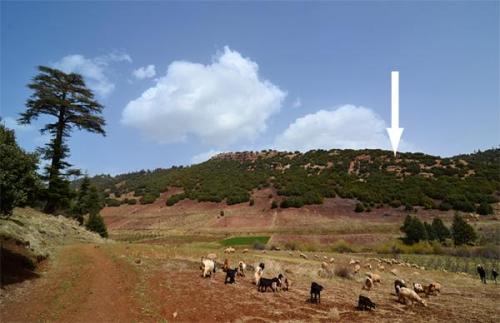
x: 126, y: 282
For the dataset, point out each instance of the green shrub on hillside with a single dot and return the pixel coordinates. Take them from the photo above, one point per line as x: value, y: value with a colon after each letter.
x: 96, y: 224
x: 441, y: 232
x: 484, y: 208
x: 359, y: 208
x: 462, y: 232
x: 148, y: 198
x: 113, y: 202
x: 175, y: 198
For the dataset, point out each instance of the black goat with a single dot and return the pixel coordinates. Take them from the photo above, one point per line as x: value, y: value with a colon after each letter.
x: 264, y: 283
x: 364, y: 303
x: 230, y: 275
x: 316, y: 292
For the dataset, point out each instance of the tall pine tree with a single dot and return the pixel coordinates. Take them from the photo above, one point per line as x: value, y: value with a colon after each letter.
x: 66, y: 98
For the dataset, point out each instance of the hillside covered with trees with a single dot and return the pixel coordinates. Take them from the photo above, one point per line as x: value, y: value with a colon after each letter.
x: 468, y: 183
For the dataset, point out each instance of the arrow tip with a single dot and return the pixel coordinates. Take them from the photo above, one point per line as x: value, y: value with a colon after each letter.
x: 395, y: 137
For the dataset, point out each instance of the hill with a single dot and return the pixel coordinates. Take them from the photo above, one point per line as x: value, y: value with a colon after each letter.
x: 374, y: 178
x: 28, y: 237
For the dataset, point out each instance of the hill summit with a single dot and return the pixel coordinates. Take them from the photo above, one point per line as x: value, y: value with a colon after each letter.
x: 375, y: 178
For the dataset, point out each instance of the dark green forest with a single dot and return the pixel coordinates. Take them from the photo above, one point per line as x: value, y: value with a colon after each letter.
x: 468, y: 183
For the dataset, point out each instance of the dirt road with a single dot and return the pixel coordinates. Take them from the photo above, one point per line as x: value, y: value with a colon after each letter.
x: 82, y: 285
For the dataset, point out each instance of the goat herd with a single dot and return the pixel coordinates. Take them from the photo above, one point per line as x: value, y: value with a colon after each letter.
x: 406, y: 294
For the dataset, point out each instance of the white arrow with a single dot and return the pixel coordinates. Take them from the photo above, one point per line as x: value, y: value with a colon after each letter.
x: 395, y: 131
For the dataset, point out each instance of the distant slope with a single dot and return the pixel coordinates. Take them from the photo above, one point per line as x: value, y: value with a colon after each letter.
x: 373, y: 177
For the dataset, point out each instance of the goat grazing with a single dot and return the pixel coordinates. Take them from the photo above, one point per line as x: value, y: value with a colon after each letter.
x: 286, y: 283
x: 418, y: 288
x: 230, y: 275
x: 272, y: 283
x: 316, y: 292
x: 406, y: 295
x: 368, y: 284
x: 364, y: 303
x: 241, y: 268
x: 433, y: 288
x: 226, y: 265
x: 375, y: 277
x: 259, y: 270
x: 399, y: 283
x: 207, y: 266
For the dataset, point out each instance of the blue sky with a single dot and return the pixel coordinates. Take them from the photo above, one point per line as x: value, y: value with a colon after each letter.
x: 251, y: 76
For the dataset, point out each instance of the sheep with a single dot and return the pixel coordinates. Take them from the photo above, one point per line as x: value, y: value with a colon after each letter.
x: 241, y: 268
x: 375, y: 277
x: 418, y: 288
x: 368, y: 284
x: 399, y: 283
x: 368, y: 266
x: 229, y: 250
x: 381, y: 267
x: 212, y: 256
x: 364, y: 303
x: 207, y: 266
x: 357, y: 268
x: 230, y: 275
x: 316, y: 292
x: 406, y: 295
x: 272, y: 283
x: 332, y: 260
x: 303, y: 256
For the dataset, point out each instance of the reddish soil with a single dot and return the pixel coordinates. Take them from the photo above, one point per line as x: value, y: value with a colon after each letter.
x: 242, y: 216
x: 82, y: 285
x: 145, y: 283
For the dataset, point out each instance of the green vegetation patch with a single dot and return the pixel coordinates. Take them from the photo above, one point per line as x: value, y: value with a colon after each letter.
x: 247, y: 240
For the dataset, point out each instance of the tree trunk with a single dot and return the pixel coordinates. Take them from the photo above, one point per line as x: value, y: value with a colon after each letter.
x: 55, y: 165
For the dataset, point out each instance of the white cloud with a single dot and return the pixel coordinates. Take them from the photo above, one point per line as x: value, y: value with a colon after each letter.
x: 144, y: 72
x: 220, y: 103
x: 200, y: 158
x: 347, y: 127
x: 11, y: 123
x: 94, y: 70
x: 297, y: 103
